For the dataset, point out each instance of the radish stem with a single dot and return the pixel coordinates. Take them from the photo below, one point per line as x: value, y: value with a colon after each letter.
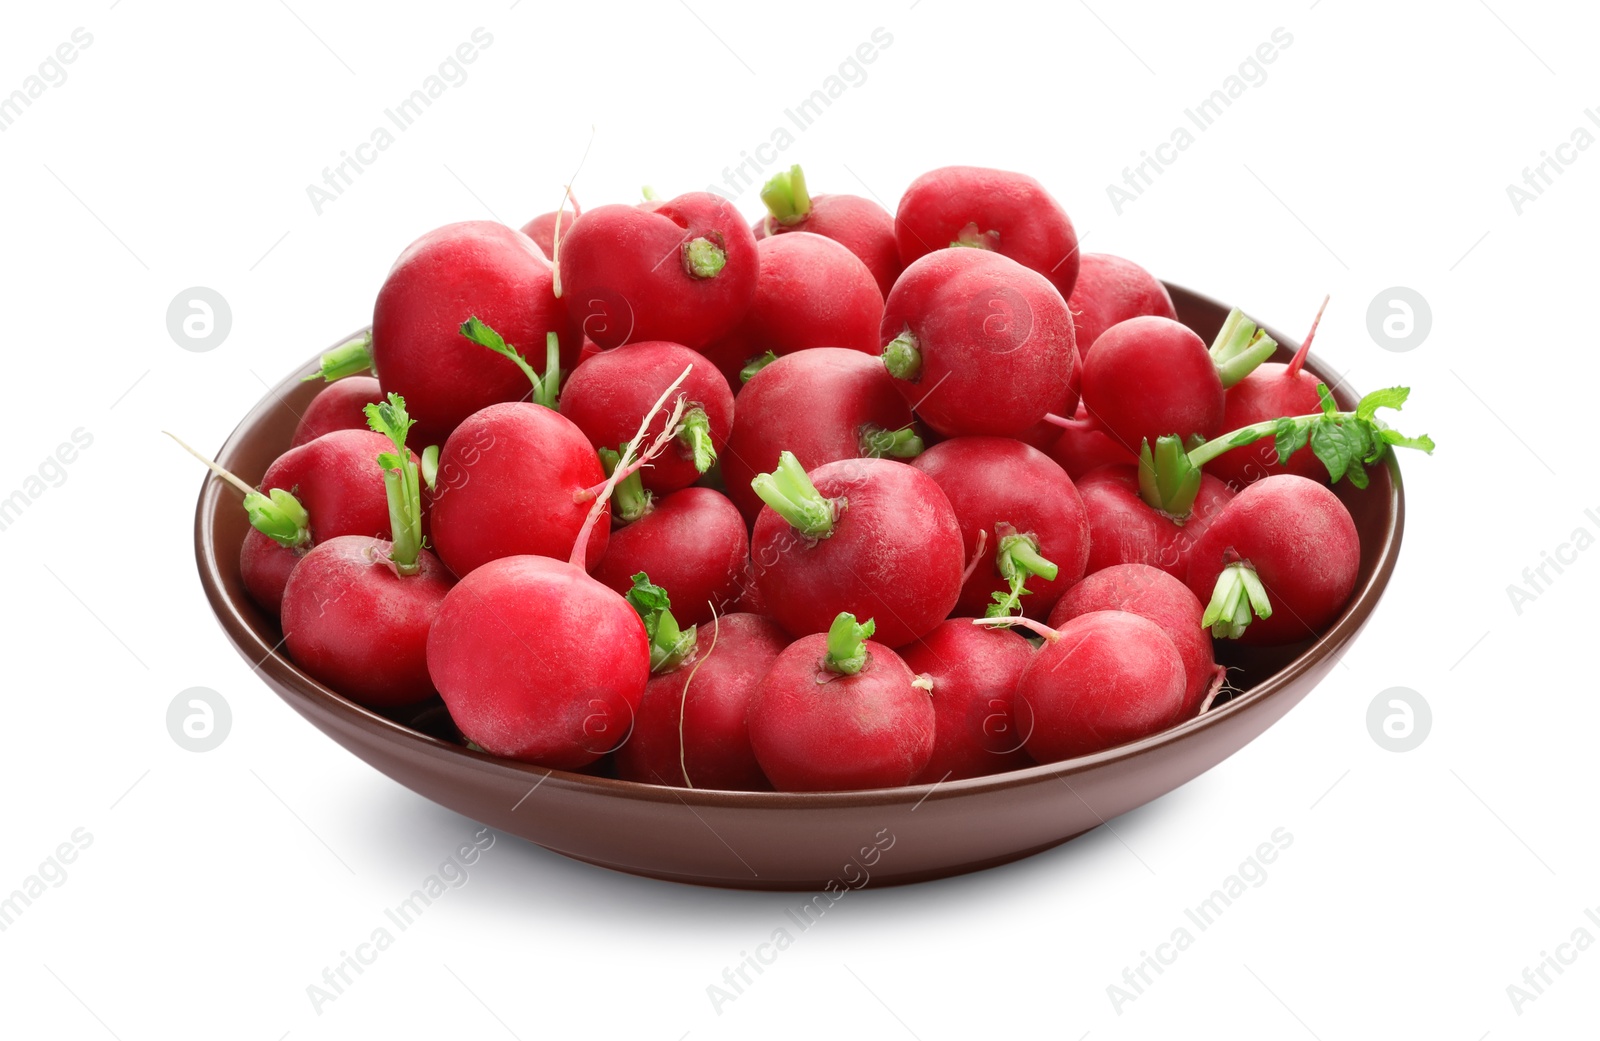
x: 902, y: 358
x: 631, y: 500
x: 755, y: 365
x: 696, y: 434
x: 847, y: 648
x: 670, y: 646
x: 546, y: 386
x: 276, y: 514
x: 703, y: 258
x: 793, y: 497
x: 1239, y: 348
x: 401, y: 482
x: 1237, y: 599
x: 348, y: 359
x: 1017, y: 558
x: 786, y: 197
x: 878, y: 443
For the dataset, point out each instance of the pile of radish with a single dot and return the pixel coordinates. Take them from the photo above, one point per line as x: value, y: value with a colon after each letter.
x: 839, y: 499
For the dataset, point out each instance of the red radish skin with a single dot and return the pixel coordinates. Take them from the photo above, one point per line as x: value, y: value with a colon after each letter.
x: 894, y: 555
x: 1009, y: 213
x: 608, y: 396
x: 974, y: 672
x: 509, y: 479
x: 633, y: 274
x: 357, y: 626
x: 1044, y: 434
x: 690, y: 731
x: 1083, y: 447
x: 338, y: 406
x: 1112, y: 290
x: 536, y: 661
x: 978, y: 343
x: 1267, y: 393
x: 693, y: 544
x: 812, y: 292
x: 817, y: 404
x: 1109, y: 678
x: 859, y: 225
x: 1123, y: 529
x: 339, y: 482
x: 1149, y: 377
x: 1301, y: 542
x: 1152, y: 593
x: 993, y: 482
x: 480, y: 268
x: 816, y: 731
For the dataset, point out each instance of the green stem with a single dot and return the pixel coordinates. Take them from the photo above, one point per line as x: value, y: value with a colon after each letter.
x: 276, y: 514
x: 1018, y: 559
x: 1237, y: 599
x: 878, y: 443
x: 401, y: 481
x: 1169, y: 480
x: 670, y: 646
x: 649, y: 194
x: 755, y: 365
x: 847, y: 644
x: 973, y: 238
x: 1240, y: 347
x: 786, y: 197
x: 347, y: 359
x: 902, y: 358
x: 695, y: 432
x: 430, y: 467
x: 703, y: 258
x: 545, y: 387
x: 630, y: 500
x: 793, y: 497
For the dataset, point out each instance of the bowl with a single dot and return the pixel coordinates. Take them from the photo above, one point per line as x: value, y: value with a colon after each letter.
x: 786, y: 841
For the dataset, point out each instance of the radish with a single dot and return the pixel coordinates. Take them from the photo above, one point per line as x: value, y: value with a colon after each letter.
x: 542, y: 229
x: 536, y: 661
x: 1152, y: 593
x: 1125, y: 529
x: 838, y: 711
x: 606, y: 398
x: 1271, y: 391
x: 977, y: 343
x: 974, y: 673
x: 811, y: 292
x: 1102, y: 680
x: 684, y: 272
x: 1153, y: 376
x: 480, y: 268
x: 1022, y: 523
x: 339, y: 406
x: 323, y: 489
x: 823, y: 405
x: 1082, y: 447
x: 1112, y: 290
x: 870, y: 536
x: 860, y: 225
x: 1278, y: 564
x: 356, y: 609
x: 693, y: 542
x: 690, y: 729
x: 1009, y: 213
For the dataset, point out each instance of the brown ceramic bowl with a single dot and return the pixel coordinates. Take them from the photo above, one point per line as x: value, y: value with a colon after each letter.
x: 785, y: 841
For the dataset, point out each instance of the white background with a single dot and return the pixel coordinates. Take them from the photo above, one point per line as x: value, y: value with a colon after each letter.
x: 1376, y: 153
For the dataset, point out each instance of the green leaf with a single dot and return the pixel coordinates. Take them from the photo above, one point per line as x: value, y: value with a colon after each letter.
x: 390, y: 419
x: 1337, y: 446
x: 1243, y: 437
x: 1388, y: 397
x: 1325, y: 396
x: 649, y: 600
x: 1289, y: 437
x: 1399, y: 440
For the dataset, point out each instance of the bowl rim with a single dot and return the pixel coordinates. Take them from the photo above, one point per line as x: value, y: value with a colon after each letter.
x: 285, y: 677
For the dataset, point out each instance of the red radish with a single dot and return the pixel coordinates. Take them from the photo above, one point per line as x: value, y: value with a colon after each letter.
x: 542, y: 229
x: 1149, y: 377
x: 1024, y: 507
x: 356, y: 609
x: 873, y: 537
x: 692, y: 543
x: 1151, y: 593
x: 537, y: 661
x: 823, y: 405
x: 338, y: 406
x: 860, y: 225
x: 1278, y: 564
x: 1271, y: 391
x: 479, y: 268
x: 1044, y: 434
x: 690, y: 730
x: 977, y: 343
x: 838, y: 711
x: 1009, y: 213
x: 685, y: 272
x: 1102, y: 680
x: 812, y: 292
x: 609, y: 395
x: 1112, y: 290
x: 1082, y: 447
x: 516, y: 472
x: 974, y: 673
x: 1124, y: 529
